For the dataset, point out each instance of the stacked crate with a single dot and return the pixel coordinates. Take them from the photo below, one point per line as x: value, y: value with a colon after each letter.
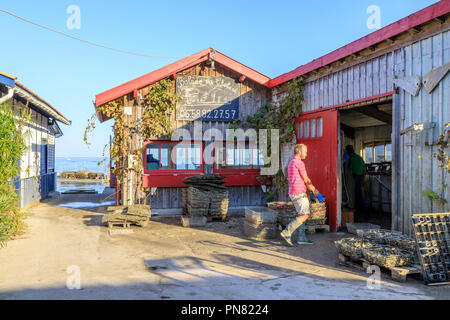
x: 286, y: 212
x: 127, y: 215
x: 205, y: 196
x: 260, y: 223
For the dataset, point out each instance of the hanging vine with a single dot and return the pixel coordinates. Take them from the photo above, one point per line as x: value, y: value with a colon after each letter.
x: 157, y: 108
x: 444, y: 163
x: 280, y: 117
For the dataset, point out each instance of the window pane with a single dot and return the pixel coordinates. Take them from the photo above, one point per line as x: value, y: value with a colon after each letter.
x: 194, y: 157
x: 219, y: 153
x: 257, y: 159
x: 379, y: 153
x: 313, y: 128
x: 153, y: 157
x: 261, y: 159
x: 180, y: 158
x: 319, y: 127
x: 368, y: 151
x: 232, y: 156
x: 306, y: 127
x: 388, y: 152
x: 245, y: 157
x: 166, y: 162
x: 237, y: 157
x: 300, y: 129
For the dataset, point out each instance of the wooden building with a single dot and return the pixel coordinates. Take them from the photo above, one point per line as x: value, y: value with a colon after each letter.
x: 387, y: 94
x: 249, y: 92
x: 37, y: 176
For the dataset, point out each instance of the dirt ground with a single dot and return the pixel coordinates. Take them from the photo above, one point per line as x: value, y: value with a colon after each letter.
x: 166, y: 261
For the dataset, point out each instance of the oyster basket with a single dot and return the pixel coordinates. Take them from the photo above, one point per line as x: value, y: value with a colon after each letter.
x: 315, y: 222
x: 388, y: 257
x: 389, y: 237
x: 260, y: 223
x: 318, y: 210
x: 353, y: 247
x: 353, y: 227
x: 286, y: 211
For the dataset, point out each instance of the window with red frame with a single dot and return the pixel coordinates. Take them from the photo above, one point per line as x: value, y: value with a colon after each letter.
x: 237, y: 156
x: 173, y: 156
x: 310, y: 128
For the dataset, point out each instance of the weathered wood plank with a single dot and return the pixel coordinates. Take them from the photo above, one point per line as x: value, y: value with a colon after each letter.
x: 376, y: 76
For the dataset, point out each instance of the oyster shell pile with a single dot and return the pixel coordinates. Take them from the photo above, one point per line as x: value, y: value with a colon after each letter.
x: 374, y: 252
x: 390, y: 238
x: 353, y: 247
x: 388, y: 257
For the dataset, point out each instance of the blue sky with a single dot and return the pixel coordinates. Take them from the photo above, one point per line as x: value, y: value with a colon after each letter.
x: 272, y: 37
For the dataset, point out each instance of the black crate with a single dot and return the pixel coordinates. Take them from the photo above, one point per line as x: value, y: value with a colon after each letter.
x: 432, y: 235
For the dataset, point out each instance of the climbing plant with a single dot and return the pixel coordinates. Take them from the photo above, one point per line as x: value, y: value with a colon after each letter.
x: 281, y: 117
x: 443, y: 163
x: 155, y: 122
x: 12, y: 148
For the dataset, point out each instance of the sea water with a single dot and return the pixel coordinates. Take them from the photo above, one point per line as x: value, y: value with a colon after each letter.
x: 80, y: 163
x: 76, y: 164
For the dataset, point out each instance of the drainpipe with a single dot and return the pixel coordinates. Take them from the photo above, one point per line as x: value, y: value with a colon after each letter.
x: 8, y: 96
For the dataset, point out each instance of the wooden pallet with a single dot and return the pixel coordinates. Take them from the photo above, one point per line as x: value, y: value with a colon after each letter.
x: 126, y: 224
x: 398, y: 274
x: 314, y: 228
x: 122, y: 224
x: 438, y: 283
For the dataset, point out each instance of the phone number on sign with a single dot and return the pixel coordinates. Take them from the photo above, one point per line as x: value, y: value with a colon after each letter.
x: 207, y: 114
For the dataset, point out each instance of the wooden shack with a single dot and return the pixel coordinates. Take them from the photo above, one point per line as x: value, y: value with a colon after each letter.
x: 387, y: 94
x: 243, y: 91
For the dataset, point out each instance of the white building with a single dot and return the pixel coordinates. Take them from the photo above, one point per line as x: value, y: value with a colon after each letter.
x: 37, y: 176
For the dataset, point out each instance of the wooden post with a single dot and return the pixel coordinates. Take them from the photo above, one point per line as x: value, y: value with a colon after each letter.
x: 126, y: 143
x: 138, y: 143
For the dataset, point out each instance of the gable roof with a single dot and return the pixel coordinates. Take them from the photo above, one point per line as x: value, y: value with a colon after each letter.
x: 420, y: 17
x: 22, y: 91
x: 183, y: 64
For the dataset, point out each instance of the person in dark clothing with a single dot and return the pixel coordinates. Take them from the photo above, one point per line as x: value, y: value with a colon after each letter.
x: 357, y: 166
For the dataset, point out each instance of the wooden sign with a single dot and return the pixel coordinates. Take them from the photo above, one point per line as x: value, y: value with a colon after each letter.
x: 127, y: 111
x: 207, y: 98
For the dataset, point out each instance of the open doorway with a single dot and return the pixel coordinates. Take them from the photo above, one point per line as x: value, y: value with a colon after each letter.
x: 367, y: 129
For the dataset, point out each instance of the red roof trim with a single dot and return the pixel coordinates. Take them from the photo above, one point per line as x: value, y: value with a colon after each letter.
x: 436, y: 10
x: 175, y: 67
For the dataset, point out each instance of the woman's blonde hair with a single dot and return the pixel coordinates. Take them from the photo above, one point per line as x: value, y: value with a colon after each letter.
x: 298, y: 147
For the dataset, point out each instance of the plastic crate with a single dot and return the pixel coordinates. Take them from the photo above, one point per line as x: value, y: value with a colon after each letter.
x: 432, y: 235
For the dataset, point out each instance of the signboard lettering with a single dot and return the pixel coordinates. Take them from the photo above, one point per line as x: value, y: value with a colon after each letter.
x: 207, y: 98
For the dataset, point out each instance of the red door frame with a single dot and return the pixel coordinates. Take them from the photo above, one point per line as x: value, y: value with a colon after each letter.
x: 331, y: 183
x: 322, y: 160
